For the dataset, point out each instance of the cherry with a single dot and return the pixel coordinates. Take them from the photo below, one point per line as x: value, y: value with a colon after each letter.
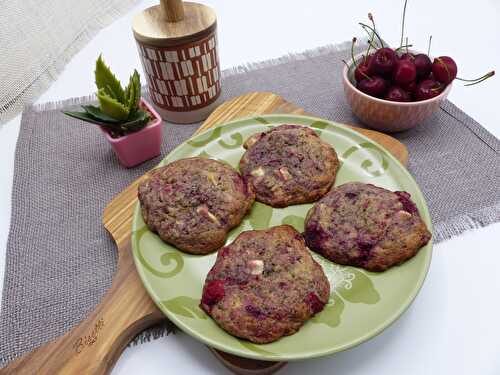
x: 423, y: 65
x: 374, y: 86
x: 407, y: 56
x: 405, y: 200
x: 213, y: 292
x: 314, y: 302
x: 444, y: 69
x: 363, y: 69
x: 404, y: 73
x: 383, y: 61
x: 410, y: 87
x: 428, y: 89
x: 397, y: 94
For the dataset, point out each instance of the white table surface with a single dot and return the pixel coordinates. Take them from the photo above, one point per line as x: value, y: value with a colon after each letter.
x: 452, y: 326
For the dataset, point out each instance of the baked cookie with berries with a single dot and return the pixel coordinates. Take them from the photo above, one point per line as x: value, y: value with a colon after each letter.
x: 193, y: 203
x: 365, y: 226
x: 288, y: 165
x: 265, y: 285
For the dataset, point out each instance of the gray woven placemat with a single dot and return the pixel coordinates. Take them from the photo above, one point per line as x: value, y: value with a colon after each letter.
x: 60, y: 260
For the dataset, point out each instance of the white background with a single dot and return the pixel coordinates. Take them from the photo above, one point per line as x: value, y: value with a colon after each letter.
x: 453, y: 325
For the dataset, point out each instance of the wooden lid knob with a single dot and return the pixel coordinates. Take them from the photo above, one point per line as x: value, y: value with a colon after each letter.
x: 173, y: 23
x: 173, y: 9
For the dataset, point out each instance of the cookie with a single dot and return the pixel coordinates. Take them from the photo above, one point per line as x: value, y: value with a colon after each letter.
x: 265, y: 285
x: 288, y: 165
x: 193, y: 203
x: 365, y: 226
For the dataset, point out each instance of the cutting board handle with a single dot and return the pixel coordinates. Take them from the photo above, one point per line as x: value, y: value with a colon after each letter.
x: 95, y: 344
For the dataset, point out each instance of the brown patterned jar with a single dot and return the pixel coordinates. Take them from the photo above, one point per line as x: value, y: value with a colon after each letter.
x: 179, y: 58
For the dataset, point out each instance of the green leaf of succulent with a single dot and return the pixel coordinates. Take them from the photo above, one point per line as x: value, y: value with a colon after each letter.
x: 99, y: 115
x: 106, y: 80
x: 133, y: 92
x: 137, y: 83
x: 135, y: 122
x: 84, y: 116
x: 111, y: 106
x: 128, y: 97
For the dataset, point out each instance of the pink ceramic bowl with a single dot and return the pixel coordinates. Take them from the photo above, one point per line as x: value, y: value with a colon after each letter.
x: 135, y: 148
x: 385, y: 115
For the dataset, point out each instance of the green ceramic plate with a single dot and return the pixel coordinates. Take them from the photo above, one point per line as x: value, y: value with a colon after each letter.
x: 361, y: 303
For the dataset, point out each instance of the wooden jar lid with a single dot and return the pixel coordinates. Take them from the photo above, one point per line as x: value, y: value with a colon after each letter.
x: 152, y: 26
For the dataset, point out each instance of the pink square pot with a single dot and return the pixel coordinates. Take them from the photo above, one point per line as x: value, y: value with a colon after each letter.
x: 135, y: 148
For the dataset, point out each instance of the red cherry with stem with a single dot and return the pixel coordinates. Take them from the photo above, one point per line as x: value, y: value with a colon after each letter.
x: 383, y: 62
x: 397, y: 94
x: 407, y: 56
x: 444, y: 69
x: 423, y: 65
x: 404, y: 73
x: 374, y: 86
x: 428, y: 89
x: 363, y: 71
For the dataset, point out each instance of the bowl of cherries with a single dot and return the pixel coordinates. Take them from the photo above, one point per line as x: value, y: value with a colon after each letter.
x: 395, y: 89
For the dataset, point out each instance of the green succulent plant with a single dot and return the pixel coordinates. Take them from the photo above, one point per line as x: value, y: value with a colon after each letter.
x: 118, y: 112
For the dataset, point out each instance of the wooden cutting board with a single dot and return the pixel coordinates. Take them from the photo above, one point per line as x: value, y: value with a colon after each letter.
x: 95, y: 344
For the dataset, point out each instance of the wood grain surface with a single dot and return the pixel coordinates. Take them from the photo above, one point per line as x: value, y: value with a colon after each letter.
x: 152, y: 27
x: 95, y: 344
x: 173, y: 10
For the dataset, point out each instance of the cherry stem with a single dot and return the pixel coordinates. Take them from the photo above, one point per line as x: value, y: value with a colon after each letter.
x: 371, y: 43
x: 374, y: 31
x: 477, y: 80
x: 405, y: 46
x: 370, y: 17
x: 366, y: 75
x: 346, y: 64
x: 403, y: 23
x: 352, y: 52
x: 429, y: 46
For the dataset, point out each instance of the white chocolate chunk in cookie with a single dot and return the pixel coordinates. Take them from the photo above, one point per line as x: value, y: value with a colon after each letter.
x: 403, y: 214
x: 256, y: 266
x: 203, y: 210
x: 284, y: 173
x: 258, y: 172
